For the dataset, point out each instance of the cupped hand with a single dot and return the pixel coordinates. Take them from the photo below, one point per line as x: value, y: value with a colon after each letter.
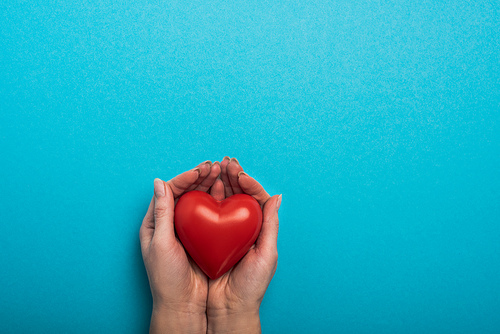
x: 234, y: 298
x: 178, y: 286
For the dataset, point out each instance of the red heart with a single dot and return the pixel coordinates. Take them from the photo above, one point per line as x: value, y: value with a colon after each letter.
x: 217, y: 234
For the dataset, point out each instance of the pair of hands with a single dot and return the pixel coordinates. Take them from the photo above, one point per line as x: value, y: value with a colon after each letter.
x: 184, y: 298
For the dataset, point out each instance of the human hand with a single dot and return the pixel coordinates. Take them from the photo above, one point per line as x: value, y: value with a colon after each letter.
x: 178, y: 285
x: 234, y: 298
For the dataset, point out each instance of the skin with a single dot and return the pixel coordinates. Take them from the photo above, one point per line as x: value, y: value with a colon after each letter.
x: 184, y: 299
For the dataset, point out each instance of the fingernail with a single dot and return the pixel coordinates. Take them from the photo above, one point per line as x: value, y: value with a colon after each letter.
x: 198, y: 170
x: 278, y: 203
x: 234, y: 160
x: 241, y: 173
x: 225, y: 158
x: 159, y: 188
x: 208, y: 162
x: 216, y: 163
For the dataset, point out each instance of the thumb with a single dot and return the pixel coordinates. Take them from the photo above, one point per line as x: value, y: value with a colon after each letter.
x: 268, y: 237
x: 163, y: 209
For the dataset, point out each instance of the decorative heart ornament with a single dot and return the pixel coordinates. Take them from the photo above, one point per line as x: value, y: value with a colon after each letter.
x: 217, y: 234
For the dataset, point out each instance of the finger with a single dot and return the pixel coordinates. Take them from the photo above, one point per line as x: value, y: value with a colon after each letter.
x: 204, y: 172
x: 217, y: 190
x: 148, y: 227
x: 233, y: 168
x: 210, y: 179
x: 253, y: 188
x: 182, y: 182
x: 224, y: 177
x: 268, y: 238
x: 163, y: 209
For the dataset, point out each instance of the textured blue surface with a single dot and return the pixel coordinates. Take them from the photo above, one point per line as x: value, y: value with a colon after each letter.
x: 378, y: 121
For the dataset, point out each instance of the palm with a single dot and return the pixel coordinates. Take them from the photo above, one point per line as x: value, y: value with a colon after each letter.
x: 191, y: 278
x: 173, y: 274
x: 246, y: 281
x: 242, y: 282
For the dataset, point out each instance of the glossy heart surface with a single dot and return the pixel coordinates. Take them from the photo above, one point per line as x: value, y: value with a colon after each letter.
x: 217, y: 234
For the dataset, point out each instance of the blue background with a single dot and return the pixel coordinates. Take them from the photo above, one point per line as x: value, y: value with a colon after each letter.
x: 378, y: 121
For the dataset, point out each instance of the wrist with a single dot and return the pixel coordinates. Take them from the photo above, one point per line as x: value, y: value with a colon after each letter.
x: 181, y: 319
x: 233, y: 320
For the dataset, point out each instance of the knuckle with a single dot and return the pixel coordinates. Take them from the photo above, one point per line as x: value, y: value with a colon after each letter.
x: 160, y: 212
x: 274, y: 256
